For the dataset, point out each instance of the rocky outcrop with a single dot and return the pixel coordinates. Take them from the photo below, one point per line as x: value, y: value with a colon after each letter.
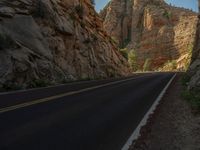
x: 194, y: 70
x: 54, y: 40
x: 155, y: 30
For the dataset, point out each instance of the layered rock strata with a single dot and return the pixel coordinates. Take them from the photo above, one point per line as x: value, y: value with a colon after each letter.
x: 155, y: 30
x: 55, y: 40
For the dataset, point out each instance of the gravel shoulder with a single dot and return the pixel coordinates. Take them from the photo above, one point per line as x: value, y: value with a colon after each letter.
x: 173, y: 126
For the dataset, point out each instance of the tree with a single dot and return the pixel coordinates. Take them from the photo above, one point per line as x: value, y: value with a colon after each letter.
x: 93, y: 2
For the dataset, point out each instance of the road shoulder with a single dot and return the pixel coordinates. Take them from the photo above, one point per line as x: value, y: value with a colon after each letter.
x: 173, y: 126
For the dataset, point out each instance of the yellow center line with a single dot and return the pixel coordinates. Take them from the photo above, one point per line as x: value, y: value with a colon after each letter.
x: 42, y: 100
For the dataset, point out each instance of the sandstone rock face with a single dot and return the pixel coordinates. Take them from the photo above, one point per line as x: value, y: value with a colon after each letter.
x: 55, y: 40
x: 157, y: 31
x: 194, y: 70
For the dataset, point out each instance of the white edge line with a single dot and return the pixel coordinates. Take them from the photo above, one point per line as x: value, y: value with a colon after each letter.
x: 135, y: 135
x: 42, y: 100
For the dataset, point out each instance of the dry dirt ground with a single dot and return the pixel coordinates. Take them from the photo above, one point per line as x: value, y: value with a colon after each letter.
x: 173, y: 126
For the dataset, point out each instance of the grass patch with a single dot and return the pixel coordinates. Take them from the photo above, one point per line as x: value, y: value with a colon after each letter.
x: 39, y: 83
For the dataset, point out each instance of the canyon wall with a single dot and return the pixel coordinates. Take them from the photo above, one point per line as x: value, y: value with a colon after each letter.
x: 55, y: 41
x: 194, y: 70
x: 157, y: 31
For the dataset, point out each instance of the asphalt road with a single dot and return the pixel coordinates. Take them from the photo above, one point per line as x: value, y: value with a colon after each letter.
x: 102, y: 118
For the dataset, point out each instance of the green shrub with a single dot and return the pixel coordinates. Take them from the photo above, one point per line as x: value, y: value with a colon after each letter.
x: 39, y: 83
x: 92, y: 2
x: 114, y: 40
x: 147, y: 64
x: 192, y: 96
x: 169, y: 66
x: 167, y: 14
x: 173, y: 64
x: 124, y: 52
x: 79, y: 10
x: 132, y: 59
x: 11, y: 86
x: 86, y: 78
x: 110, y: 72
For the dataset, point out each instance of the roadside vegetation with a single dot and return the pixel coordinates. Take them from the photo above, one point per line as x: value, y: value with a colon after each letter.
x: 169, y: 66
x: 39, y: 83
x: 191, y: 96
x: 132, y: 58
x: 10, y: 87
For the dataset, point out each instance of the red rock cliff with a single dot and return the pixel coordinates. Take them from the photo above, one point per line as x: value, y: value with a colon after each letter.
x: 55, y: 40
x: 156, y: 31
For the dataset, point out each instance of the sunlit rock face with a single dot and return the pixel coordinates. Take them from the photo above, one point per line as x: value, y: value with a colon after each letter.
x: 55, y: 40
x: 157, y: 31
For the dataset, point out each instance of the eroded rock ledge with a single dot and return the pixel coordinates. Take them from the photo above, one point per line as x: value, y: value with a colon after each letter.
x: 54, y: 40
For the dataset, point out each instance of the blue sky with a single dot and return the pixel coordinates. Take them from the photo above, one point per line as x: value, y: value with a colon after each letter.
x: 192, y: 4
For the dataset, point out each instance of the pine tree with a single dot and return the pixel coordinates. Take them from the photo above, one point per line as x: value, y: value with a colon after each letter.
x: 93, y: 2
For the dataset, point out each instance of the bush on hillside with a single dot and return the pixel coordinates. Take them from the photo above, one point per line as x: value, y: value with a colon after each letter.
x: 92, y: 2
x: 147, y: 64
x: 79, y: 10
x: 167, y: 14
x: 124, y: 52
x: 132, y: 59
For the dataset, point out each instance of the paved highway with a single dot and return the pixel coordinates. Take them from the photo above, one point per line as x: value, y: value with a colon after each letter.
x: 96, y: 115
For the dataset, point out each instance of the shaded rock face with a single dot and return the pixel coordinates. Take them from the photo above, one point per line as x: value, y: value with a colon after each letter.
x: 55, y: 40
x: 157, y: 31
x: 194, y: 70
